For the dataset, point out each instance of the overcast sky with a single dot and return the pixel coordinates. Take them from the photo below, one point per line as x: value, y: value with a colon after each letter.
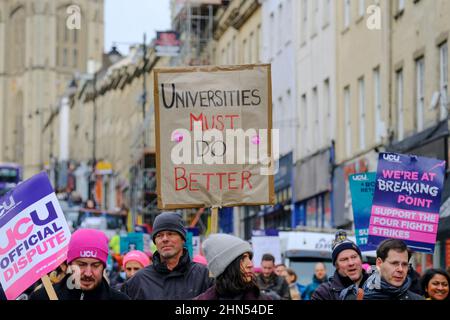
x: 127, y: 20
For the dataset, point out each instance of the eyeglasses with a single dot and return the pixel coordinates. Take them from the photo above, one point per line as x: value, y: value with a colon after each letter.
x: 397, y: 264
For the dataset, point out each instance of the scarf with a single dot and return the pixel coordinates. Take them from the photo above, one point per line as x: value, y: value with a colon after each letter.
x: 376, y: 288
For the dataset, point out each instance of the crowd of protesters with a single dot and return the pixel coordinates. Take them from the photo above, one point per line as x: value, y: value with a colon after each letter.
x: 225, y: 271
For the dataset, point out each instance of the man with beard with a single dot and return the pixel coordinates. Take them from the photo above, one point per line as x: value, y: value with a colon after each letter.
x: 86, y: 256
x: 172, y: 276
x: 347, y: 260
x: 269, y: 282
x: 390, y: 281
x: 230, y: 262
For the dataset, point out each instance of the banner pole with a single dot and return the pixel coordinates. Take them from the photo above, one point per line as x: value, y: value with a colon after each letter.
x: 214, y: 219
x: 49, y: 288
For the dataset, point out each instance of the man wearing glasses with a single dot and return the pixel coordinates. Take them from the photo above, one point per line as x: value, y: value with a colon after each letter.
x: 390, y: 281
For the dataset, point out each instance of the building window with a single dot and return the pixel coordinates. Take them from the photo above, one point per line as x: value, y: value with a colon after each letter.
x: 282, y: 113
x: 18, y: 36
x: 315, y: 13
x: 304, y: 15
x: 315, y: 106
x: 75, y: 58
x: 362, y: 113
x: 224, y: 57
x: 289, y: 25
x: 244, y: 45
x: 379, y: 127
x: 65, y: 57
x: 420, y: 98
x: 271, y: 39
x: 258, y: 43
x: 326, y: 12
x: 280, y: 27
x: 347, y: 16
x: 251, y: 47
x: 347, y: 122
x: 399, y: 99
x: 327, y: 108
x: 304, y: 122
x: 66, y: 34
x: 443, y: 79
x: 234, y: 55
x: 361, y: 8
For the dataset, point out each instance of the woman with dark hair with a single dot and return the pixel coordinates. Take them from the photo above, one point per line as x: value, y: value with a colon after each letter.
x: 435, y: 284
x: 291, y: 279
x: 230, y: 263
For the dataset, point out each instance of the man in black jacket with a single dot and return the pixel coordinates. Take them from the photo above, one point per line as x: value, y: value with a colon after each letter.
x: 86, y: 256
x: 172, y: 276
x: 347, y: 259
x: 269, y: 283
x: 391, y: 280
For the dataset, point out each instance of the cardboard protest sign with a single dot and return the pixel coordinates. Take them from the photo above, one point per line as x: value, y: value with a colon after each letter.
x: 406, y: 200
x: 34, y: 235
x: 362, y: 187
x: 213, y: 136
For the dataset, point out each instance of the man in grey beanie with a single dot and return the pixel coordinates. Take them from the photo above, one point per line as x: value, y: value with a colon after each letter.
x: 229, y: 261
x: 172, y: 276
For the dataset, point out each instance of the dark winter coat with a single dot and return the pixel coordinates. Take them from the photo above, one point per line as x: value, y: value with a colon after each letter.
x: 274, y: 283
x: 155, y: 282
x: 376, y: 288
x: 2, y: 294
x: 211, y: 294
x: 415, y: 281
x: 102, y: 292
x: 331, y: 289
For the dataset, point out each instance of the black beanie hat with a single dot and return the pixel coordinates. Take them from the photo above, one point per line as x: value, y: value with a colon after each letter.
x: 169, y: 221
x: 341, y: 243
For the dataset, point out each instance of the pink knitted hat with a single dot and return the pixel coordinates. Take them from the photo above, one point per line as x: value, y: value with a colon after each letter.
x: 88, y: 243
x: 138, y: 256
x: 200, y: 259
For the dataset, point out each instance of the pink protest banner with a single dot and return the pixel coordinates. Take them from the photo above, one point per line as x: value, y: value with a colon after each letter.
x: 407, y: 200
x: 34, y: 235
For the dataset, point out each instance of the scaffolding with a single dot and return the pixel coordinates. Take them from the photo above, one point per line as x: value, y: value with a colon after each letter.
x: 194, y: 22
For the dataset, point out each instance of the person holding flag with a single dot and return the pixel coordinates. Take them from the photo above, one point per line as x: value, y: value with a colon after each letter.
x: 390, y: 281
x: 87, y: 254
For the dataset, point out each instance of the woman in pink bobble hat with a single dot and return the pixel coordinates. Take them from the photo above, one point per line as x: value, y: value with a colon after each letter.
x: 134, y: 261
x: 200, y: 259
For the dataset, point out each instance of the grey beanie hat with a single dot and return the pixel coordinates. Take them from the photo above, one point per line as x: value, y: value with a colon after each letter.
x: 169, y: 221
x: 221, y: 249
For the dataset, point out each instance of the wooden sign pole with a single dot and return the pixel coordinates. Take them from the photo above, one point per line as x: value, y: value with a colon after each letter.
x: 49, y: 288
x: 214, y: 220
